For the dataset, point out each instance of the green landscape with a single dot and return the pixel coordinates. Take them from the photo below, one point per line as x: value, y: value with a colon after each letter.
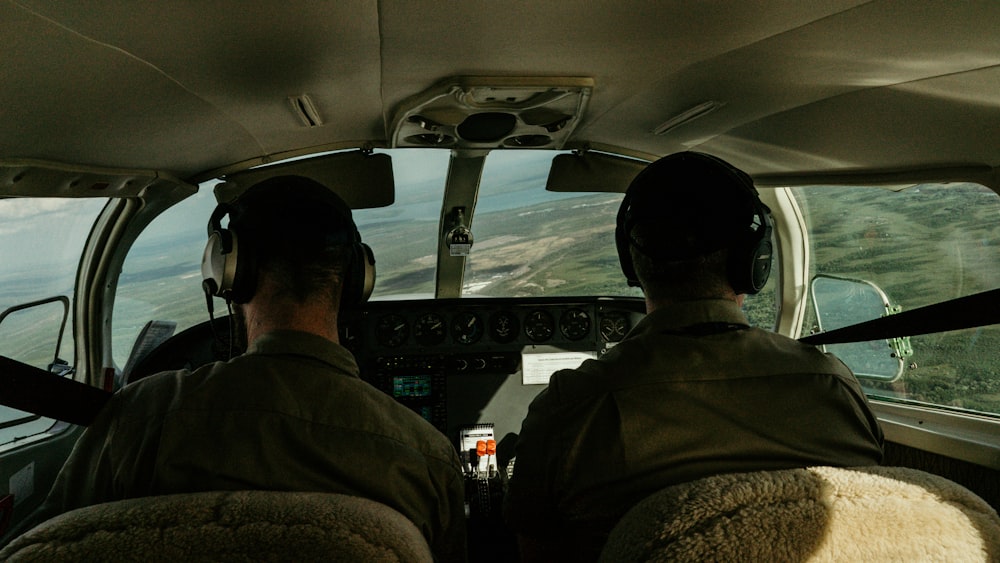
x: 923, y: 245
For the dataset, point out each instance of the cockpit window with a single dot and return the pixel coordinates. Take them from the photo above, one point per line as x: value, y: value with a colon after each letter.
x: 402, y: 236
x: 532, y: 242
x: 920, y: 245
x: 161, y: 276
x: 41, y: 241
x: 526, y: 242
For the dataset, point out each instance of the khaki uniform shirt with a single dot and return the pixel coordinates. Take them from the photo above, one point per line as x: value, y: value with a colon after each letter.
x: 291, y: 414
x: 692, y: 391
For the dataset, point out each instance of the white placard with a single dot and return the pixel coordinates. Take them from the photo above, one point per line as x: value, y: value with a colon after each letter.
x: 538, y: 368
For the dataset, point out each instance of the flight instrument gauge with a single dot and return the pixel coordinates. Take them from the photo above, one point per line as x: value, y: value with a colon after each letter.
x: 503, y: 327
x: 539, y: 325
x: 391, y: 330
x: 466, y: 328
x: 574, y: 324
x: 613, y: 327
x: 429, y: 329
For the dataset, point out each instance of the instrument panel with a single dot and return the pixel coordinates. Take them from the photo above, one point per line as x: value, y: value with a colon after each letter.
x: 456, y: 323
x: 461, y: 361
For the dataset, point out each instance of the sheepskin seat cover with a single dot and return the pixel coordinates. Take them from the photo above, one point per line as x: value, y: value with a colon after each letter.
x: 226, y: 526
x: 816, y: 514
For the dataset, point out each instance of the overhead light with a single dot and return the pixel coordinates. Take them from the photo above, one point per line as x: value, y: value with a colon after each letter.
x: 700, y: 110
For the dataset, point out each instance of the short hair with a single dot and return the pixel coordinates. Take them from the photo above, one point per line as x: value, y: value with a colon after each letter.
x: 299, y: 236
x: 703, y: 276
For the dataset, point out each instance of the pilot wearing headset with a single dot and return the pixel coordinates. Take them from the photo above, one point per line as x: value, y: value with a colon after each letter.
x: 693, y: 390
x: 292, y: 413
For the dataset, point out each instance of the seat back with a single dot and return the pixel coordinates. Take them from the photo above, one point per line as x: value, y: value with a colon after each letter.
x: 813, y: 514
x: 226, y: 526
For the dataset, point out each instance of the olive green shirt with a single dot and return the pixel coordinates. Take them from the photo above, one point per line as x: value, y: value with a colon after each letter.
x: 292, y: 414
x: 692, y: 391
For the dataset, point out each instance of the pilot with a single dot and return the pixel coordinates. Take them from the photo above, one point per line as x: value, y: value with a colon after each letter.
x: 290, y: 414
x: 693, y: 390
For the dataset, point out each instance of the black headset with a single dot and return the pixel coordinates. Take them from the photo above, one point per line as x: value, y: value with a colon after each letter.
x: 749, y: 262
x: 230, y: 271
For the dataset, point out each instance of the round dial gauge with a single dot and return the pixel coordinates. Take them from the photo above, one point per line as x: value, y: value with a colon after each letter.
x: 574, y: 324
x: 429, y: 329
x: 503, y: 327
x: 539, y: 326
x: 613, y: 327
x: 466, y: 328
x: 391, y: 330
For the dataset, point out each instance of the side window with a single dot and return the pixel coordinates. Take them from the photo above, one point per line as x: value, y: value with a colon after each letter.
x: 41, y: 241
x: 161, y: 276
x: 920, y: 245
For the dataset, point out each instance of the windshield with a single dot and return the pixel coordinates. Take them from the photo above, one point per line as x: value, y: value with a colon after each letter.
x: 528, y: 242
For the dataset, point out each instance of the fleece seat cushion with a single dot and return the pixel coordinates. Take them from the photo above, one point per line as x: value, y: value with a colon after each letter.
x: 817, y: 514
x: 226, y: 526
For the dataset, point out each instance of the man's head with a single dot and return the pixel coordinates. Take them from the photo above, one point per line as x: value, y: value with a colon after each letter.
x: 691, y: 225
x: 298, y: 234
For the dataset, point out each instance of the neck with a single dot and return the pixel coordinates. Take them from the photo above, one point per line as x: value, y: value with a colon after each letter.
x: 265, y: 313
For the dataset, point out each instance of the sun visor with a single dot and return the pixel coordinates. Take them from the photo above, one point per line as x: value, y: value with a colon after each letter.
x: 592, y: 172
x: 364, y: 180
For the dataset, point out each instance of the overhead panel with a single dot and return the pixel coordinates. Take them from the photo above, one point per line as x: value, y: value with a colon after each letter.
x: 493, y: 112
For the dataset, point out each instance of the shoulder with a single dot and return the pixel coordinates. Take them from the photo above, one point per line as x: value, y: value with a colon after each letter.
x: 793, y: 352
x: 150, y: 390
x: 574, y: 385
x: 155, y: 395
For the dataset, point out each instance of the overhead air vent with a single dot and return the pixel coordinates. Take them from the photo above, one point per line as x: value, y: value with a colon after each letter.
x: 486, y: 113
x: 306, y: 111
x: 687, y: 116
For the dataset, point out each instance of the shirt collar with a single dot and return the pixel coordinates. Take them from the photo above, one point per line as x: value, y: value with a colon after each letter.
x: 682, y: 314
x: 298, y: 343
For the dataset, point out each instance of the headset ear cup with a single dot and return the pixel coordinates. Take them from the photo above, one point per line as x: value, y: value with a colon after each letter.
x: 226, y: 271
x: 622, y: 243
x: 368, y: 273
x: 213, y: 263
x: 360, y: 279
x: 762, y: 265
x: 219, y: 264
x: 749, y: 264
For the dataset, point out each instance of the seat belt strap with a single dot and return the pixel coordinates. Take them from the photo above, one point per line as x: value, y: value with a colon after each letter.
x: 37, y: 391
x: 971, y: 311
